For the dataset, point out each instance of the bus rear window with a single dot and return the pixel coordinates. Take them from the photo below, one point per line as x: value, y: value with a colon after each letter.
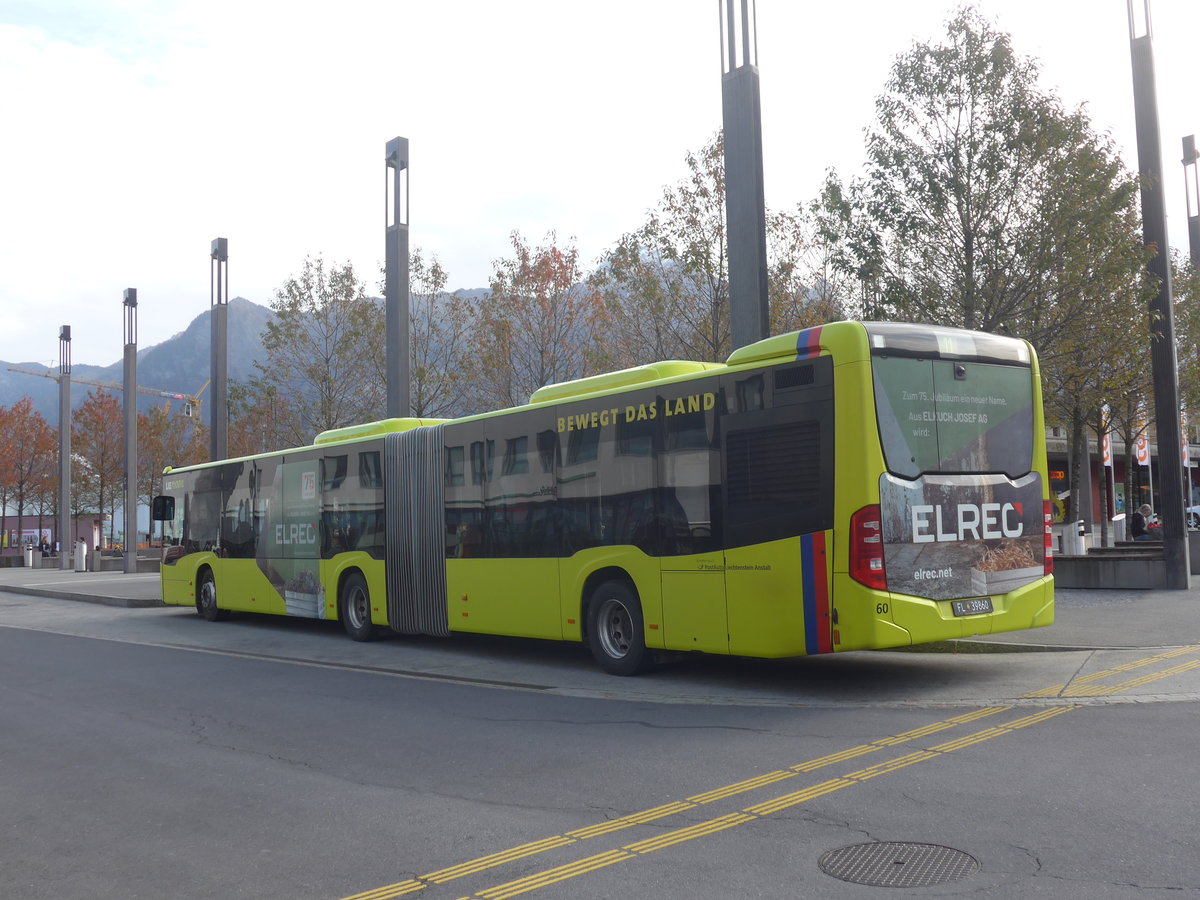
x: 953, y: 416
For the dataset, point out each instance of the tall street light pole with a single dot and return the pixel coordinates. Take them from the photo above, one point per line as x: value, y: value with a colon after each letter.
x: 1191, y: 187
x: 745, y: 198
x: 1163, y: 360
x: 399, y: 400
x: 66, y: 539
x: 130, y: 404
x: 218, y: 288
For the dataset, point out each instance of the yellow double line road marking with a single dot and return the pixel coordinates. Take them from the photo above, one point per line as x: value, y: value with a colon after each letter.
x: 1081, y: 687
x: 1084, y: 686
x: 754, y: 813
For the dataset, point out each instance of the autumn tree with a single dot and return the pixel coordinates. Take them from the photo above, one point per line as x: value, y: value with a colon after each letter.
x: 317, y: 359
x: 98, y: 451
x: 166, y: 438
x: 805, y: 287
x: 7, y: 453
x: 44, y: 498
x: 260, y: 418
x: 665, y: 286
x: 539, y: 325
x: 32, y: 445
x: 27, y: 459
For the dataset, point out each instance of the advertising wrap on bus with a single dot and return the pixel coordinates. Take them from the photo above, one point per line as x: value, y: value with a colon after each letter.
x: 947, y: 537
x: 961, y: 507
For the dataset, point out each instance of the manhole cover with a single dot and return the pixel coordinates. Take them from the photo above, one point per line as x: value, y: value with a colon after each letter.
x: 898, y: 864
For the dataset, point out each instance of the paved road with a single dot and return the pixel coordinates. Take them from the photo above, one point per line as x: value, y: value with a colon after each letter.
x: 147, y: 753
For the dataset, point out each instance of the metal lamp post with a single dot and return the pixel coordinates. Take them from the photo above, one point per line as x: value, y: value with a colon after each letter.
x: 218, y: 287
x: 65, y: 536
x: 1163, y: 359
x: 130, y: 409
x: 399, y: 401
x: 745, y: 201
x: 1192, y: 189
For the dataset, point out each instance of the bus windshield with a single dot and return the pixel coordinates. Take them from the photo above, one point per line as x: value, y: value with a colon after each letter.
x: 954, y: 416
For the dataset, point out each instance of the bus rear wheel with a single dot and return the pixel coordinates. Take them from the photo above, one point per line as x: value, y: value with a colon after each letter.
x: 354, y: 608
x: 616, y: 631
x: 206, y: 598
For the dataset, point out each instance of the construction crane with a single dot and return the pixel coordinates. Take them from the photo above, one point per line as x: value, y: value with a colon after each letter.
x: 191, y: 402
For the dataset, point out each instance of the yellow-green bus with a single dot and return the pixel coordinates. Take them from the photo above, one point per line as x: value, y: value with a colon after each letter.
x: 855, y: 485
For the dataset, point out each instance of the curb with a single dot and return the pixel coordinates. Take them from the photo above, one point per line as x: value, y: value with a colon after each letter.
x: 123, y: 602
x: 979, y: 646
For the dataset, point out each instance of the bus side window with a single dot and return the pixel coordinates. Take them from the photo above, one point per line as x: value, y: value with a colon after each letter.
x: 750, y: 394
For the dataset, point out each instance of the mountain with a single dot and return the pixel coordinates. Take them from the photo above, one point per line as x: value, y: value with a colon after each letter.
x: 179, y: 364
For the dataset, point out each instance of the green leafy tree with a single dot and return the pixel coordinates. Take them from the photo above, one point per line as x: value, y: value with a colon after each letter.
x: 986, y: 204
x: 1185, y: 287
x: 665, y: 286
x: 317, y: 348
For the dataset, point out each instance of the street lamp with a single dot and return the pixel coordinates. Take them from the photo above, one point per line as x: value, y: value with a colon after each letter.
x: 65, y: 532
x: 130, y: 400
x: 218, y: 288
x: 396, y: 277
x: 1191, y: 187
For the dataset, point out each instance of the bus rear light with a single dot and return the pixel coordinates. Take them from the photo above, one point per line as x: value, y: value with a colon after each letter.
x: 866, y: 548
x: 1048, y: 553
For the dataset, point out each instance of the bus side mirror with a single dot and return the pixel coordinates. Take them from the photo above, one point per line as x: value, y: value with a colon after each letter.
x: 162, y: 509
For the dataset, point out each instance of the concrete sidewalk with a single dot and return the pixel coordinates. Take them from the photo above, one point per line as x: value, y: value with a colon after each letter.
x: 109, y: 588
x: 1084, y: 619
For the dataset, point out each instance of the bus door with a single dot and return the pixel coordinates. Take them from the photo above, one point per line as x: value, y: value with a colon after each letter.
x: 692, y: 555
x: 693, y: 601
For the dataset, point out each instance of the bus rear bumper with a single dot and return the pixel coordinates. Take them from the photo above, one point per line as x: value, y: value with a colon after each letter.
x: 898, y: 620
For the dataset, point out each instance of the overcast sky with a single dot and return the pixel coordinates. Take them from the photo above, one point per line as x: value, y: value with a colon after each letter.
x: 136, y: 131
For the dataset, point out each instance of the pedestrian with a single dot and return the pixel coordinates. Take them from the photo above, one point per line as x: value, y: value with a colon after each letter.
x: 1137, y: 523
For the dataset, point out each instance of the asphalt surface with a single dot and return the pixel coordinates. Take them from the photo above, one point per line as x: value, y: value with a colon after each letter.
x: 1084, y: 619
x: 1092, y: 629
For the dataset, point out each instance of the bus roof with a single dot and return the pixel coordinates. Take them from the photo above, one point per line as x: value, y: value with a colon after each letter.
x: 848, y: 338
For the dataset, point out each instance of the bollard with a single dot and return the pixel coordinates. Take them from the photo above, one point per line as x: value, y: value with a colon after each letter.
x: 81, y: 556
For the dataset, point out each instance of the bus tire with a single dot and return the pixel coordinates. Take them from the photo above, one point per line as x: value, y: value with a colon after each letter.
x: 354, y: 608
x: 206, y: 598
x: 616, y: 630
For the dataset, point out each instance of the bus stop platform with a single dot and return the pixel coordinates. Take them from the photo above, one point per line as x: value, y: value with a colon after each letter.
x: 109, y: 588
x: 1084, y: 619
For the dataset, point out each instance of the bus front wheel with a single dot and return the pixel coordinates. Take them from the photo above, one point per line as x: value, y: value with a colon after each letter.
x: 206, y: 598
x: 354, y: 608
x: 616, y: 633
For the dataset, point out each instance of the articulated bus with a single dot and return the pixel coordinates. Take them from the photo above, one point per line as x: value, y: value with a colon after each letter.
x: 850, y: 486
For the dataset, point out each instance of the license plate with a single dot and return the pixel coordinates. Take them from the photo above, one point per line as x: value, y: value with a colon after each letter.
x: 974, y: 607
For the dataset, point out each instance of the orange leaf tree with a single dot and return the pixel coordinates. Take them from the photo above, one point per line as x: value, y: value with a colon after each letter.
x: 539, y: 325
x: 98, y: 455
